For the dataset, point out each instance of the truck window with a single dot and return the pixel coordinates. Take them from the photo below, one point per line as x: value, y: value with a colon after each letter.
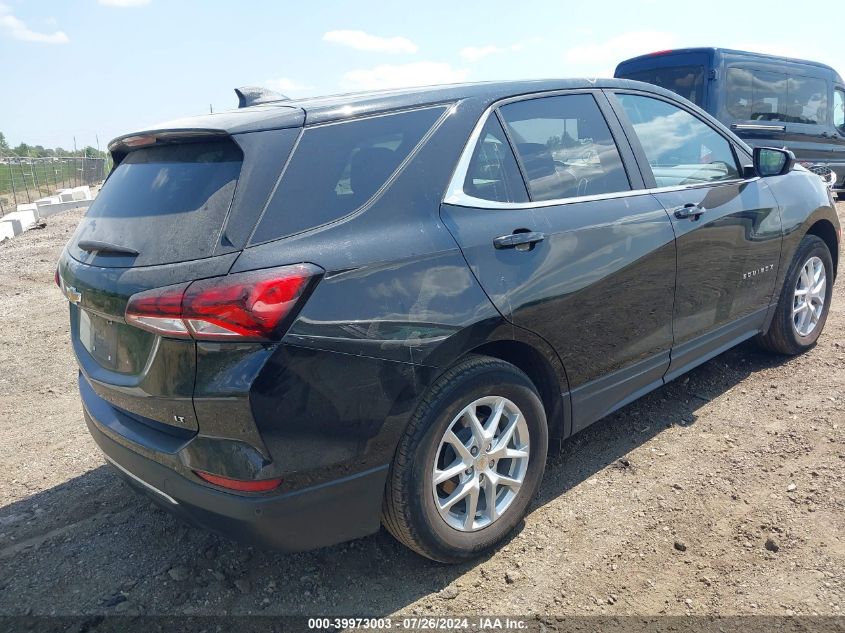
x: 756, y: 95
x: 768, y: 96
x: 839, y: 109
x: 687, y: 81
x: 806, y: 100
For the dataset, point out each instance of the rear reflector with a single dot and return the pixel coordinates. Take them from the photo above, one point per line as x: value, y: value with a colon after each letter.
x: 255, y: 305
x: 261, y: 485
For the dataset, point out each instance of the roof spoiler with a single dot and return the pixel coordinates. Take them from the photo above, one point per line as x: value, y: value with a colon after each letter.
x: 255, y: 95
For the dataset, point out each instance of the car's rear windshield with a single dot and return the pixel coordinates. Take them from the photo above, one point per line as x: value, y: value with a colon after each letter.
x: 168, y: 203
x: 336, y: 168
x: 687, y: 81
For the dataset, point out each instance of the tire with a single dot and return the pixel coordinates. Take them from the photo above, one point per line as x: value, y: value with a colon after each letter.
x: 410, y: 511
x: 784, y: 336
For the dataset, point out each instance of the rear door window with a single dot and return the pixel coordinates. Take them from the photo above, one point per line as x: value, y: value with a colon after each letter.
x: 168, y: 203
x: 681, y: 149
x: 565, y: 147
x: 338, y: 167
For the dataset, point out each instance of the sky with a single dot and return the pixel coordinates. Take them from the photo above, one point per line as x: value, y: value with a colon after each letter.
x: 94, y: 69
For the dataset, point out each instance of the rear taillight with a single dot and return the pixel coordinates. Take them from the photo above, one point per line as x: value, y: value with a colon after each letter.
x: 255, y: 305
x: 240, y: 485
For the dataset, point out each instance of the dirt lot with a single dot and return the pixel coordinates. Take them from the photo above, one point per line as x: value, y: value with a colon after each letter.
x: 721, y: 493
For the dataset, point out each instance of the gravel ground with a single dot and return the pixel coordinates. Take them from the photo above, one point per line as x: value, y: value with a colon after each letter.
x: 720, y: 493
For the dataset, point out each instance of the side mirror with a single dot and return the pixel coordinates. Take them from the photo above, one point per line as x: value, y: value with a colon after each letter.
x: 769, y: 161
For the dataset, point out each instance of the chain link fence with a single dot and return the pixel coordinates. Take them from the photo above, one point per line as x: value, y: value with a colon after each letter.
x: 24, y: 179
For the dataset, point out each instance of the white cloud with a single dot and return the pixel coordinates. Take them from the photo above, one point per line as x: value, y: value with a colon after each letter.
x: 620, y: 47
x: 17, y: 29
x: 475, y: 53
x: 367, y: 42
x: 285, y: 85
x: 124, y: 3
x: 403, y: 75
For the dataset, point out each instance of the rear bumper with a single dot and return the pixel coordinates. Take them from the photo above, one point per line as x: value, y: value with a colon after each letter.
x: 308, y: 518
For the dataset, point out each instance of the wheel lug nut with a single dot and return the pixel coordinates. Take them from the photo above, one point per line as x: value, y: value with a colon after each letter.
x: 468, y: 472
x: 474, y: 450
x: 489, y: 446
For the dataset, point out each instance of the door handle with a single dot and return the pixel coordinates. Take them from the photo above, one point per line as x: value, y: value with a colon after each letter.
x: 689, y: 211
x: 520, y: 241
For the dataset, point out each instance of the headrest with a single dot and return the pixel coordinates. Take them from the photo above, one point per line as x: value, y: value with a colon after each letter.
x: 537, y: 160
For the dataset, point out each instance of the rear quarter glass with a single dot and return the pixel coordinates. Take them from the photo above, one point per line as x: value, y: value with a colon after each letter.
x: 336, y: 168
x: 168, y: 203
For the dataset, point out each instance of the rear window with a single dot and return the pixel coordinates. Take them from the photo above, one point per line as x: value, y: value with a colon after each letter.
x: 338, y: 167
x: 687, y: 81
x: 168, y: 203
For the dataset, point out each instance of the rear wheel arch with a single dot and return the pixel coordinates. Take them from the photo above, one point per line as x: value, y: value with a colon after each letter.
x: 549, y: 381
x: 825, y: 230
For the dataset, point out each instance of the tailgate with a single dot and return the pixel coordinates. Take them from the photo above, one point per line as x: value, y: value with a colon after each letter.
x: 171, y: 212
x: 144, y: 375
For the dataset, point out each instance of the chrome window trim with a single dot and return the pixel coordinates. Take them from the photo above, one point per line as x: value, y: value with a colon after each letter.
x: 456, y: 196
x: 759, y: 127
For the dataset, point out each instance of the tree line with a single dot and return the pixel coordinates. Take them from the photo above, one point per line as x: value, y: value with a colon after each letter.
x: 39, y: 151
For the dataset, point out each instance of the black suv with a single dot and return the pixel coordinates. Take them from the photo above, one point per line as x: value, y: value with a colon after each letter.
x: 301, y: 319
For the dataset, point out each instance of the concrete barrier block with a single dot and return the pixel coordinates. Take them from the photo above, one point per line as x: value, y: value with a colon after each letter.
x: 10, y: 227
x: 7, y: 230
x: 29, y: 207
x: 27, y: 217
x: 43, y: 202
x: 81, y: 193
x: 52, y: 209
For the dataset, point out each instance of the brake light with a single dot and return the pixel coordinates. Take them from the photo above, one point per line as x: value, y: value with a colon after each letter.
x: 241, y: 485
x: 57, y: 279
x: 139, y: 141
x: 255, y: 305
x: 663, y: 52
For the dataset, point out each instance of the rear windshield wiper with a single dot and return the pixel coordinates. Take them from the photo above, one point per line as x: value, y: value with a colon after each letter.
x: 93, y: 246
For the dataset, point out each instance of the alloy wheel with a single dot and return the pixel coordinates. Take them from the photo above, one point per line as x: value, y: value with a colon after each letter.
x: 480, y: 463
x: 808, y: 300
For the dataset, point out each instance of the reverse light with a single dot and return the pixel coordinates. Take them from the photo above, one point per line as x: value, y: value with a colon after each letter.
x: 255, y: 305
x: 240, y: 485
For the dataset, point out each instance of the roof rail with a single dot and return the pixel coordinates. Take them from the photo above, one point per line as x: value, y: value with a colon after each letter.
x: 255, y: 95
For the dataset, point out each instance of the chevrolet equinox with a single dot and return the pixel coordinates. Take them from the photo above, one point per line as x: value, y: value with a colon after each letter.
x: 301, y: 319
